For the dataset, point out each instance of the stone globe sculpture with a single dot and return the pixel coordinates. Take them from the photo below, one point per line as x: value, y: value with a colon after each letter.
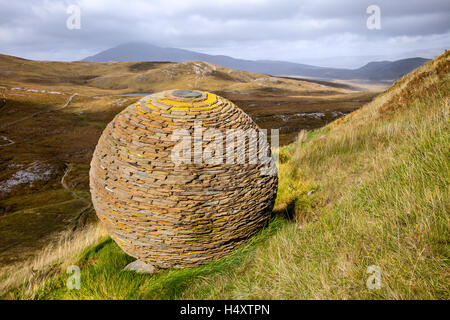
x: 182, y: 177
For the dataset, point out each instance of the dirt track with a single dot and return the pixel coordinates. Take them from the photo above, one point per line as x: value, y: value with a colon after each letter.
x: 88, y: 203
x: 40, y: 112
x: 10, y: 142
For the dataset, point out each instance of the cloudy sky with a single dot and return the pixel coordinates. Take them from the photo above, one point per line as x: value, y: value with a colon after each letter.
x: 328, y: 33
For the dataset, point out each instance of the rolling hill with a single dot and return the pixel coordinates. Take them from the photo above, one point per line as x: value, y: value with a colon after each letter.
x: 148, y: 76
x: 137, y: 51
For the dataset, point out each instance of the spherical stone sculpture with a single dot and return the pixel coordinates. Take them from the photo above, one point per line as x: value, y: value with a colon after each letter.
x: 176, y: 212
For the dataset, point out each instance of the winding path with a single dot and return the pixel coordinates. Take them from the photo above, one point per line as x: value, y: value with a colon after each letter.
x: 66, y: 187
x: 40, y: 112
x: 69, y: 166
x: 10, y: 142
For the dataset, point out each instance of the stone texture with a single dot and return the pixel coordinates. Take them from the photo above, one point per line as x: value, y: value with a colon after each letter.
x: 176, y: 216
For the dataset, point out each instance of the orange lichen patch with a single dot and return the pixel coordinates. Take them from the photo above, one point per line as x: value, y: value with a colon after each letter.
x: 180, y: 108
x: 165, y: 222
x: 175, y: 103
x: 125, y: 158
x: 206, y: 107
x: 211, y: 98
x: 152, y: 106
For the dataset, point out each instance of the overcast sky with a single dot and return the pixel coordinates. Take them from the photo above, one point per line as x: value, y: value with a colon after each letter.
x: 329, y: 33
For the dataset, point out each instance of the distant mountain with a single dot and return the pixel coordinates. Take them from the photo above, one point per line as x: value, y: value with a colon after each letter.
x: 376, y: 71
x: 387, y: 70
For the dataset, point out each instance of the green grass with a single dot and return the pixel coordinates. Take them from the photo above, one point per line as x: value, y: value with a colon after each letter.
x: 368, y: 189
x: 102, y: 276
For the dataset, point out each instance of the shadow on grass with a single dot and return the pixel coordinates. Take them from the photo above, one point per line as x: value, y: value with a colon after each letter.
x: 289, y: 212
x: 102, y: 275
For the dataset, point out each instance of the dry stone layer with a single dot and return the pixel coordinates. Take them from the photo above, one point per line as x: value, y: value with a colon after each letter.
x: 176, y: 215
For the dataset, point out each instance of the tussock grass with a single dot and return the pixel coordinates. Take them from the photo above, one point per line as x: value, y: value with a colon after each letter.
x: 368, y: 189
x: 27, y: 277
x: 102, y: 277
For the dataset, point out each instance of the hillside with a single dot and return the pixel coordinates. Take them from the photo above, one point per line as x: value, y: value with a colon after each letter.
x: 369, y: 189
x: 282, y: 103
x: 375, y: 71
x: 142, y: 76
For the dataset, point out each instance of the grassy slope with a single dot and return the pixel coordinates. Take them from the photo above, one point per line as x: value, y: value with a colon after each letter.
x: 378, y: 195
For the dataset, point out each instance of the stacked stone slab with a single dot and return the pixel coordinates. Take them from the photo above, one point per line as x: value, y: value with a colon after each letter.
x: 172, y: 215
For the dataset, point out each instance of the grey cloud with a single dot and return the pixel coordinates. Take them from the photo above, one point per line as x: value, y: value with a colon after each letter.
x: 260, y: 29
